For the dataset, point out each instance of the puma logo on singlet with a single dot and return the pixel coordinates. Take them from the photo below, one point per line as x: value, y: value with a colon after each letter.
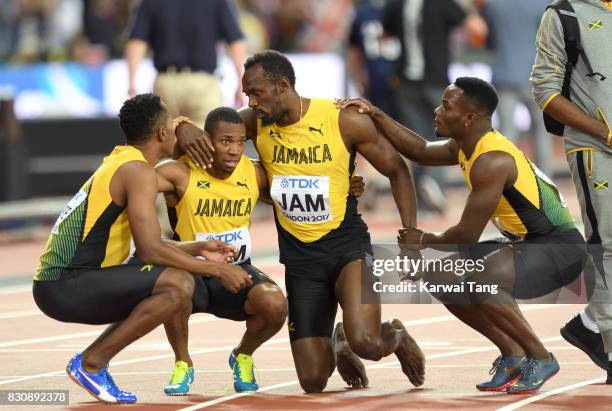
x: 275, y: 134
x: 238, y: 183
x: 318, y: 130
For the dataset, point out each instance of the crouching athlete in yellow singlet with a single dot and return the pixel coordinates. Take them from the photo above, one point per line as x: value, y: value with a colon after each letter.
x: 82, y: 277
x: 546, y: 251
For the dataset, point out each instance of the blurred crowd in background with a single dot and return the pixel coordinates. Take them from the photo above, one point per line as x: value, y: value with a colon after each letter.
x: 91, y: 31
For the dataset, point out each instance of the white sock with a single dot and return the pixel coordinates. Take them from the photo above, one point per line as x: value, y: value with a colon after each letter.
x: 588, y: 323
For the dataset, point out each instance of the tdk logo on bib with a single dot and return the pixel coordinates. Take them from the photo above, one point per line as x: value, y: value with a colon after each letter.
x: 226, y: 237
x: 239, y: 238
x: 300, y: 183
x: 302, y: 199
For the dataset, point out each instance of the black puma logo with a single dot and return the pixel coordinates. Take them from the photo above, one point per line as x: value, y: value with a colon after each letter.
x: 318, y: 130
x: 242, y: 184
x: 275, y: 134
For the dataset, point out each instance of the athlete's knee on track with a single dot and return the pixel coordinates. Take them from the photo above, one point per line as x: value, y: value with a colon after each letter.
x: 313, y: 381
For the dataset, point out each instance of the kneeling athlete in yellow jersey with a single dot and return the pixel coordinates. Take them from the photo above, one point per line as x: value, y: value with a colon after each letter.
x: 546, y: 251
x: 307, y: 147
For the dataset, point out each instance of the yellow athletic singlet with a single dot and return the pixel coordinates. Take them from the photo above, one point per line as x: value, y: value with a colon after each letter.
x: 218, y: 209
x: 308, y: 168
x: 533, y: 205
x: 91, y: 231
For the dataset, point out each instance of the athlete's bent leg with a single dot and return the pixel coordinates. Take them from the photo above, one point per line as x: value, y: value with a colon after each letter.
x: 171, y: 294
x: 266, y: 307
x: 366, y: 336
x: 471, y: 315
x: 314, y: 362
x: 177, y: 331
x: 504, y: 313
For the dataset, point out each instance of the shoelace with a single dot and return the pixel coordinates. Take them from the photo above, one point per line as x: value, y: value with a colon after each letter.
x: 245, y: 371
x: 178, y: 375
x: 497, y: 364
x: 114, y: 385
x: 111, y: 382
x: 529, y: 367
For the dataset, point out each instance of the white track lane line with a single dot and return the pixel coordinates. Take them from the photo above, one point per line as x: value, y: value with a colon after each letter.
x: 15, y: 289
x: 19, y: 314
x: 61, y: 337
x: 266, y: 370
x: 550, y: 393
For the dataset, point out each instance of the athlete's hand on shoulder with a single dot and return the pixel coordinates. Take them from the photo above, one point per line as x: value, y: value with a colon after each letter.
x: 363, y: 106
x: 233, y: 278
x: 216, y: 250
x: 357, y: 186
x: 194, y: 142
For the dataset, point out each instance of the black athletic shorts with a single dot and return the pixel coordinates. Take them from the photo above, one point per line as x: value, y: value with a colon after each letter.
x: 542, y: 264
x: 210, y: 297
x: 96, y: 296
x: 311, y: 292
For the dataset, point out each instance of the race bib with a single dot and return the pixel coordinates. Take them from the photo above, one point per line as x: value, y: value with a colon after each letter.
x: 68, y: 209
x: 302, y: 199
x: 239, y: 238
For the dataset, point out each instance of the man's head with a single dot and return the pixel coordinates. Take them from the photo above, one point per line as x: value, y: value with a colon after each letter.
x: 228, y: 134
x: 144, y: 119
x: 466, y: 103
x: 268, y: 81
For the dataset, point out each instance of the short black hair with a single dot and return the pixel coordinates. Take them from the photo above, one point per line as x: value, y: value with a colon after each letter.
x: 227, y: 114
x: 479, y: 92
x: 274, y: 64
x: 138, y: 117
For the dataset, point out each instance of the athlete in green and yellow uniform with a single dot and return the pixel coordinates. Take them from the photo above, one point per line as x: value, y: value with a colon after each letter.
x: 529, y: 208
x: 217, y: 204
x: 81, y: 277
x: 307, y: 147
x: 547, y: 251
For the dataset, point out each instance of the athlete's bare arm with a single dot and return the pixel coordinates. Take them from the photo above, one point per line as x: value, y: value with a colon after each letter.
x: 490, y: 174
x: 135, y: 184
x: 262, y: 183
x: 358, y: 131
x: 568, y: 113
x: 172, y: 179
x: 250, y: 121
x: 407, y: 142
x: 194, y: 142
